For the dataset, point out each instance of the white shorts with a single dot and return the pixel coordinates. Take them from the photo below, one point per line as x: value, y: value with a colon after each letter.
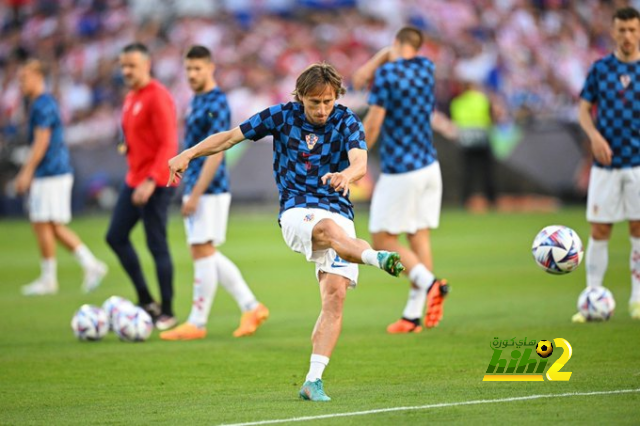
x: 50, y: 199
x: 614, y: 195
x: 407, y: 202
x: 209, y: 221
x: 297, y: 228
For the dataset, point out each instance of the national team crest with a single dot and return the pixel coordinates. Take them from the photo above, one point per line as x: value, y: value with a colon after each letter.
x: 625, y: 80
x: 312, y: 139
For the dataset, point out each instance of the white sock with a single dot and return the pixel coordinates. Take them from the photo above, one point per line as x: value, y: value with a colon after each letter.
x: 415, y: 304
x: 205, y: 284
x: 85, y: 258
x: 421, y: 276
x: 49, y: 270
x: 596, y: 260
x: 635, y: 270
x: 370, y: 257
x: 232, y: 281
x: 316, y: 367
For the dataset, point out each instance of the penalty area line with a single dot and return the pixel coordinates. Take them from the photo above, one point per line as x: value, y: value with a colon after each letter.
x: 431, y: 406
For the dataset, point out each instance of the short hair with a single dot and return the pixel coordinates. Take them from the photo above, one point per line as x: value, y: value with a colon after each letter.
x: 136, y: 47
x: 36, y: 65
x: 626, y: 14
x: 411, y: 36
x: 198, y: 52
x: 320, y: 74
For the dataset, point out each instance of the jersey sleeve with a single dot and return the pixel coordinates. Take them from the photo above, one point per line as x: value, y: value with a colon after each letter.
x: 590, y: 90
x: 263, y: 123
x: 44, y: 115
x: 220, y: 119
x: 354, y: 133
x: 380, y: 89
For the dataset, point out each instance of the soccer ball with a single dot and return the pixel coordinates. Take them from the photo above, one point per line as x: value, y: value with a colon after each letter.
x: 90, y: 323
x: 596, y: 303
x: 544, y: 348
x: 133, y: 325
x: 113, y: 306
x: 557, y: 249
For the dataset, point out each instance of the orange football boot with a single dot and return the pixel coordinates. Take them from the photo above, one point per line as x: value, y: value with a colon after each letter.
x: 184, y: 331
x: 251, y: 320
x: 403, y: 326
x: 435, y: 303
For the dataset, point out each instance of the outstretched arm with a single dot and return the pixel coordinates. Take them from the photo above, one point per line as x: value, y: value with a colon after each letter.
x: 364, y: 74
x: 211, y: 145
x: 372, y: 124
x: 357, y: 169
x: 601, y: 149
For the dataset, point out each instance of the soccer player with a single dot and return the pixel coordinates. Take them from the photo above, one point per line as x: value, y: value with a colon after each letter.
x: 149, y: 125
x: 205, y: 207
x: 318, y: 150
x: 613, y: 86
x: 408, y: 195
x: 48, y: 177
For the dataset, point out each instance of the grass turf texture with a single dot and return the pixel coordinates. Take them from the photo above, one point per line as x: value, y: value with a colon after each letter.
x: 46, y: 376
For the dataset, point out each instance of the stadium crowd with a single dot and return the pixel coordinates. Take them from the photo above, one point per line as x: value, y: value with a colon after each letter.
x: 531, y: 55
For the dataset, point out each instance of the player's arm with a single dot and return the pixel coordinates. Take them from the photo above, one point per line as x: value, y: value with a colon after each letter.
x: 441, y: 124
x: 373, y: 123
x: 213, y: 144
x: 357, y: 169
x: 207, y: 173
x: 364, y: 74
x: 41, y: 139
x: 599, y: 145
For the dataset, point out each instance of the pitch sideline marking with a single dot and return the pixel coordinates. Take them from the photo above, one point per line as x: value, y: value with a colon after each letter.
x: 430, y: 406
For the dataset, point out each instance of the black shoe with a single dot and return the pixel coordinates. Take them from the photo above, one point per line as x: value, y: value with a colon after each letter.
x: 153, y: 309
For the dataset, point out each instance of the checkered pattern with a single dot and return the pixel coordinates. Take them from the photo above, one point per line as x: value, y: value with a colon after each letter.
x: 299, y: 163
x: 405, y: 89
x: 614, y: 87
x: 45, y: 114
x: 209, y: 113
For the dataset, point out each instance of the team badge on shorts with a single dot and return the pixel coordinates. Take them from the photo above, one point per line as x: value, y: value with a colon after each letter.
x: 624, y: 79
x: 308, y: 218
x: 311, y: 139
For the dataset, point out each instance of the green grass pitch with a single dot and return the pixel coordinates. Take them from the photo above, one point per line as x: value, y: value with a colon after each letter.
x: 48, y: 377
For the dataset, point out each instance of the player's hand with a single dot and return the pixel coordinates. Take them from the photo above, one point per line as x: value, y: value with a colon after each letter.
x: 190, y: 205
x: 23, y: 182
x: 338, y: 181
x: 143, y: 192
x: 601, y: 150
x: 177, y: 166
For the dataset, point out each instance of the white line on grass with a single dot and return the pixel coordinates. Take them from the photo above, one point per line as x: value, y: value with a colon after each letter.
x: 430, y: 406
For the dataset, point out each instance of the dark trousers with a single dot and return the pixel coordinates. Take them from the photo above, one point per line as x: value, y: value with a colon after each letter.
x: 154, y: 217
x: 478, y: 168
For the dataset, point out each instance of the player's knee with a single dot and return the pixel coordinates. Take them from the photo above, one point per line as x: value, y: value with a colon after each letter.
x: 634, y: 229
x: 114, y: 239
x: 601, y: 231
x: 381, y: 241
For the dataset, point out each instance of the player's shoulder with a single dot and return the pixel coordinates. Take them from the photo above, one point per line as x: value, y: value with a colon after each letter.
x: 344, y: 114
x: 45, y: 102
x: 605, y: 63
x: 159, y: 89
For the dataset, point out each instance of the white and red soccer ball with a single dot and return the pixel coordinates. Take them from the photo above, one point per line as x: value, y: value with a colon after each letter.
x: 90, y: 323
x: 557, y: 249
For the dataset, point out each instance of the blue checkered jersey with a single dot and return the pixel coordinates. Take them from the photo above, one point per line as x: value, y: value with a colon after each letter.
x: 209, y: 113
x: 45, y: 114
x: 614, y: 87
x: 405, y: 89
x: 303, y: 153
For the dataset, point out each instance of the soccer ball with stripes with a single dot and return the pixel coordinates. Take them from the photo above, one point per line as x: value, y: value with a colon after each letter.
x: 557, y: 249
x: 133, y: 325
x: 90, y: 323
x: 596, y: 303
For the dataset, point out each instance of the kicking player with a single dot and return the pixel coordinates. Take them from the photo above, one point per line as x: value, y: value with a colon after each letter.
x: 613, y: 85
x: 408, y: 195
x: 318, y: 150
x: 48, y: 177
x: 205, y: 207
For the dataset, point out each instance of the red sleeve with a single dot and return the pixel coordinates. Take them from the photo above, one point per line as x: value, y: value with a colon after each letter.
x: 165, y: 128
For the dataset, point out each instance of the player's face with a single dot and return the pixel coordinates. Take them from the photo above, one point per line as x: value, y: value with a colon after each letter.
x: 319, y: 104
x: 136, y: 69
x: 26, y: 80
x: 199, y: 73
x: 626, y: 35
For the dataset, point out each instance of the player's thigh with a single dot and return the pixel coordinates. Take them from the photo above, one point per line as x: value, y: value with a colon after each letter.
x: 297, y: 226
x: 333, y: 289
x: 155, y: 215
x: 50, y: 199
x: 631, y: 193
x: 124, y: 217
x: 393, y: 204
x: 209, y: 222
x: 604, y: 197
x: 430, y: 198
